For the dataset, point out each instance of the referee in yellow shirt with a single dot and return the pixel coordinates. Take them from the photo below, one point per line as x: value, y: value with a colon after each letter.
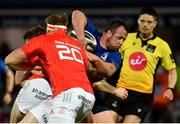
x: 142, y: 53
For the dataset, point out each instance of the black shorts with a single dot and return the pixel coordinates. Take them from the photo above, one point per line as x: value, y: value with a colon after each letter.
x: 100, y: 102
x: 136, y: 104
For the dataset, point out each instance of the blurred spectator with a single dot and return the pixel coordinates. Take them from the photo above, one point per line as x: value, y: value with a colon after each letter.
x: 161, y: 111
x: 6, y: 87
x: 4, y: 49
x: 2, y: 81
x: 164, y: 111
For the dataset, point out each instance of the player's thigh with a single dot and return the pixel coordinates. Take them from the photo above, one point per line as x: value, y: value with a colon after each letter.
x: 85, y: 107
x: 16, y: 115
x: 33, y: 93
x: 104, y: 117
x: 131, y: 119
x: 117, y: 118
x: 88, y: 118
x: 71, y: 105
x: 41, y: 112
x: 29, y: 118
x: 39, y: 90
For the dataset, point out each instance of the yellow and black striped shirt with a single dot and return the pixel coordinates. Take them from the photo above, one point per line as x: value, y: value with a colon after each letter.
x: 140, y: 62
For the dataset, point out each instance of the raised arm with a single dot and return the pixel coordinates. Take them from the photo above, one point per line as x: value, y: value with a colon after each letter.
x: 79, y: 22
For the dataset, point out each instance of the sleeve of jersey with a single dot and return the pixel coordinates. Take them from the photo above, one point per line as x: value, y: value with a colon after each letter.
x: 115, y: 59
x: 168, y: 61
x: 92, y: 29
x: 31, y: 49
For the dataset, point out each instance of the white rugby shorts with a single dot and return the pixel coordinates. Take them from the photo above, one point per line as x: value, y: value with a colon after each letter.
x: 69, y: 106
x: 33, y: 93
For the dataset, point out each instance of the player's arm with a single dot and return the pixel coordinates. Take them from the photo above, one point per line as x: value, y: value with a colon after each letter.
x: 172, y: 79
x: 103, y: 67
x: 21, y: 77
x: 89, y: 67
x: 9, y: 86
x: 79, y: 21
x: 9, y: 81
x: 17, y: 60
x: 106, y: 87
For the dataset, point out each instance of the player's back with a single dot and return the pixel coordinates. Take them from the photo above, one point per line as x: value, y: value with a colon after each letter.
x: 64, y: 61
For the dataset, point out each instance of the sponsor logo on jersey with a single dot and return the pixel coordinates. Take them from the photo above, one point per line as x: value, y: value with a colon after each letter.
x: 104, y: 56
x: 151, y: 48
x: 137, y: 61
x: 40, y: 94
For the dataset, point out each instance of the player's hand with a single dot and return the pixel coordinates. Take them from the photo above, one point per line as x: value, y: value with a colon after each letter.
x: 168, y: 94
x: 121, y: 93
x: 84, y: 42
x: 92, y: 57
x: 7, y: 98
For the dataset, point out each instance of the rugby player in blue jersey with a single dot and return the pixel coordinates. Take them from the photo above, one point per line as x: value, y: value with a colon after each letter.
x: 106, y: 57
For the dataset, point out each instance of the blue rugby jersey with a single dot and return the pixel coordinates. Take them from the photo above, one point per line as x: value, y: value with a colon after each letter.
x: 112, y: 56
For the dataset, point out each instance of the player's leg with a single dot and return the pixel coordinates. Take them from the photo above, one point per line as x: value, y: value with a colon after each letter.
x: 29, y: 118
x: 137, y: 106
x: 16, y: 115
x: 116, y: 117
x: 71, y: 106
x: 132, y: 119
x: 32, y: 94
x: 19, y: 107
x: 38, y: 114
x: 84, y: 112
x: 107, y: 116
x: 113, y: 104
x: 88, y: 118
x: 101, y: 111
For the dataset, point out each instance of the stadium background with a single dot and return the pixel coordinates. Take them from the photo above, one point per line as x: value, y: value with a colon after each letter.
x: 16, y: 16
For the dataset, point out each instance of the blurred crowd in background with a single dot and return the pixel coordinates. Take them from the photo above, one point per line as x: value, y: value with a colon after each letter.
x: 15, y: 22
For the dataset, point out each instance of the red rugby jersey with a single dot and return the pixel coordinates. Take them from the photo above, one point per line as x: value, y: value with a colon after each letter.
x: 62, y: 58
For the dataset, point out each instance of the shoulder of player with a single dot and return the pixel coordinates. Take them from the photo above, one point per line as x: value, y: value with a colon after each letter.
x: 130, y: 39
x: 131, y: 36
x: 161, y: 42
x: 115, y: 54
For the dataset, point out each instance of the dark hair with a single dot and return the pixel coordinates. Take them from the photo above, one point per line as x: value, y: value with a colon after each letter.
x: 58, y: 19
x: 33, y: 32
x: 115, y: 24
x: 150, y: 11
